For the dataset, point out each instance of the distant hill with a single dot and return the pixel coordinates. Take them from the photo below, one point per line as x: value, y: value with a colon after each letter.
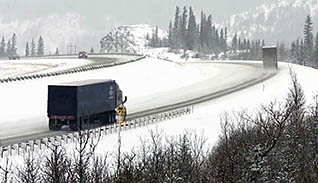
x: 282, y: 20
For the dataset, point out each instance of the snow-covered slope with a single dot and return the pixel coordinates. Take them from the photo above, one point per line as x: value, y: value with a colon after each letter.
x: 129, y: 39
x: 282, y: 20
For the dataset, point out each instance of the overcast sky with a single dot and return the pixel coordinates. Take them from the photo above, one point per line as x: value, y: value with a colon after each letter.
x: 99, y: 16
x: 97, y: 12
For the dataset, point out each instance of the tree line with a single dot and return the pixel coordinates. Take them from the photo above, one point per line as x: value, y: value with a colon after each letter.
x: 304, y: 51
x: 10, y: 47
x: 35, y: 50
x: 185, y: 33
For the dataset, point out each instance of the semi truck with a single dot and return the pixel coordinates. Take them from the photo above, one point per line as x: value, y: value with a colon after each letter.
x: 83, y: 104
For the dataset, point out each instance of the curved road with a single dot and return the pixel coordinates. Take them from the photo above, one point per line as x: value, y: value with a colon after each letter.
x: 234, y: 76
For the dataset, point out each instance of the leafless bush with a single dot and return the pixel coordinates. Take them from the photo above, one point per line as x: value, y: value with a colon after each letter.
x: 6, y: 171
x: 55, y: 167
x: 30, y: 173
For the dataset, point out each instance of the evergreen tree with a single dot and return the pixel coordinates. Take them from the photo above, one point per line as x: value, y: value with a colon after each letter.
x: 155, y: 42
x: 222, y: 45
x: 203, y: 31
x: 33, y: 51
x: 293, y: 52
x: 308, y: 42
x: 225, y: 38
x: 27, y: 49
x: 191, y: 30
x: 147, y: 36
x: 282, y: 52
x: 3, y: 47
x: 57, y: 51
x: 234, y: 42
x: 239, y: 45
x: 92, y: 50
x: 208, y: 32
x: 316, y: 52
x: 183, y: 27
x: 170, y: 36
x: 302, y: 56
x: 175, y: 32
x: 40, y: 50
x: 9, y: 47
x: 14, y: 44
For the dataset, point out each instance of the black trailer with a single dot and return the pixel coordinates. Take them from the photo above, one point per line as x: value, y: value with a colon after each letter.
x: 83, y: 104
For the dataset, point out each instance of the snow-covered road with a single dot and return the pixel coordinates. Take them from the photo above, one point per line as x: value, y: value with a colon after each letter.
x: 149, y: 83
x: 206, y: 117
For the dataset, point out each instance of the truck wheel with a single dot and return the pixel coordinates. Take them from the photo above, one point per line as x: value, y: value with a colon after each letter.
x: 75, y: 125
x: 53, y: 126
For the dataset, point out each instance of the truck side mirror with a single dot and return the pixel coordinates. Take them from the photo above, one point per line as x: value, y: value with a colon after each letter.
x: 125, y: 100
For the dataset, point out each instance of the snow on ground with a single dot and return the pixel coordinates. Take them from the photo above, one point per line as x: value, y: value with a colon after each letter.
x: 12, y: 68
x: 149, y: 83
x: 206, y: 116
x: 25, y: 103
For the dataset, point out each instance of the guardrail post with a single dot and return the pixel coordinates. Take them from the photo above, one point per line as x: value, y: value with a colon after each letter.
x: 39, y: 144
x: 10, y: 150
x: 1, y: 152
x: 46, y: 142
x: 17, y: 149
x: 31, y: 143
x: 105, y: 130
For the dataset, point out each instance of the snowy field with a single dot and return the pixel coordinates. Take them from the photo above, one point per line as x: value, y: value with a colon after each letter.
x: 206, y: 116
x: 12, y: 68
x: 150, y: 83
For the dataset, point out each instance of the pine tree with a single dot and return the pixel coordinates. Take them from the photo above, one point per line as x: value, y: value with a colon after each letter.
x: 57, y: 51
x: 316, y: 52
x: 191, y: 30
x: 157, y: 41
x: 175, y: 30
x: 234, y: 42
x: 27, y: 49
x: 170, y: 36
x: 92, y: 50
x: 40, y: 50
x: 203, y: 30
x: 14, y: 44
x: 147, y: 36
x: 302, y: 55
x: 3, y: 47
x: 282, y: 52
x: 208, y: 32
x: 33, y: 52
x: 308, y: 41
x: 183, y: 27
x: 293, y: 52
x: 9, y: 47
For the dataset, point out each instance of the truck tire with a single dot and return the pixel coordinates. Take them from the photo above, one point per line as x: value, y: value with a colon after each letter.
x: 75, y: 125
x: 53, y: 125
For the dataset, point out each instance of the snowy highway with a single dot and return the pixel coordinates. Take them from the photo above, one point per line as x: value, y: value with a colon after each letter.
x: 149, y: 84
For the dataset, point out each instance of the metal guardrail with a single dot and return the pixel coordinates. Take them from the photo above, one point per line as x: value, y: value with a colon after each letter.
x: 44, y: 143
x: 67, y: 71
